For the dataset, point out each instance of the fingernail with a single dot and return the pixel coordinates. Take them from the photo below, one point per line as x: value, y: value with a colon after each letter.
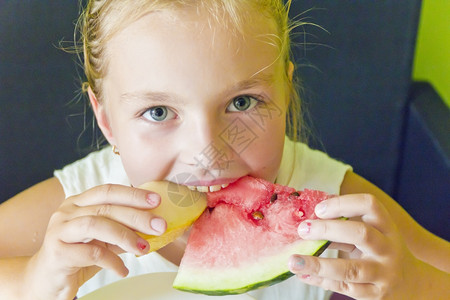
x: 122, y: 273
x: 142, y: 244
x: 321, y: 208
x: 153, y: 199
x: 297, y: 263
x: 158, y: 225
x: 306, y: 276
x: 304, y: 228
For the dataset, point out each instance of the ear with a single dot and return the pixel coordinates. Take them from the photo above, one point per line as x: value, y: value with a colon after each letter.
x: 101, y: 116
x: 291, y: 70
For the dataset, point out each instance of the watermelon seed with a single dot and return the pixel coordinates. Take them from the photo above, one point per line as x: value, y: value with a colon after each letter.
x: 273, y: 198
x: 294, y: 194
x: 300, y: 213
x: 257, y: 215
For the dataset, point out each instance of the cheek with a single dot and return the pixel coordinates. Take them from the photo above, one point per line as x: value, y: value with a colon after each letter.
x: 265, y: 153
x: 145, y: 157
x: 144, y: 166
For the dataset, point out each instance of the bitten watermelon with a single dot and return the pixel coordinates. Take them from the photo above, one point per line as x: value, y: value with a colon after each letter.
x: 244, y: 239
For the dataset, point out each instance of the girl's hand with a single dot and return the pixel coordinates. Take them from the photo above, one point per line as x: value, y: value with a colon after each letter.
x: 87, y: 233
x: 379, y: 266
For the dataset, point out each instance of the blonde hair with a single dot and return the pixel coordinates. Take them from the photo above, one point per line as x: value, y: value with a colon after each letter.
x: 101, y: 19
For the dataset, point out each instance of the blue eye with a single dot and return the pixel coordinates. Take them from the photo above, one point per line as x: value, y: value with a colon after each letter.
x: 159, y: 114
x: 242, y: 103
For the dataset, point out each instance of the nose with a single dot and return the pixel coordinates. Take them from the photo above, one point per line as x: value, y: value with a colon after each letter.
x: 203, y: 145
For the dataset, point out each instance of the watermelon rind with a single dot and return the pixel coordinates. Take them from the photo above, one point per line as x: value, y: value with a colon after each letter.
x: 269, y: 271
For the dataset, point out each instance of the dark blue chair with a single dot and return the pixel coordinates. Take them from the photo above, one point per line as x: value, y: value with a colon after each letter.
x: 38, y: 88
x: 423, y: 186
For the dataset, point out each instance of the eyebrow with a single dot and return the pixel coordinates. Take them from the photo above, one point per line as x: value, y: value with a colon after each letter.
x: 149, y: 96
x: 259, y: 80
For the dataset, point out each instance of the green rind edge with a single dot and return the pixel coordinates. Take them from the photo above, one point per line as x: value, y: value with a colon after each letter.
x: 251, y: 287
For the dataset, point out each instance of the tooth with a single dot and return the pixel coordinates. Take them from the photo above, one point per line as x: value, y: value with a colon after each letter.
x: 215, y: 188
x: 192, y: 188
x: 225, y: 185
x: 202, y: 189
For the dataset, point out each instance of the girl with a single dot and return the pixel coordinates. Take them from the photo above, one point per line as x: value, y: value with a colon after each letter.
x: 202, y: 88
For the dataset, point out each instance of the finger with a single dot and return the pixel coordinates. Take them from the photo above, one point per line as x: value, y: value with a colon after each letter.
x: 140, y: 220
x: 119, y: 195
x: 363, y: 236
x: 85, y: 255
x: 113, y: 248
x: 87, y: 228
x: 354, y: 205
x: 348, y: 270
x: 342, y: 247
x: 354, y: 290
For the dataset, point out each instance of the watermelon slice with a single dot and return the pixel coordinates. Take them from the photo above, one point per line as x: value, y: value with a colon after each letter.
x: 244, y: 239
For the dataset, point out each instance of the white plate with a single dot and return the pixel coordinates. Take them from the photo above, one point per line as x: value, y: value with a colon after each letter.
x: 150, y: 286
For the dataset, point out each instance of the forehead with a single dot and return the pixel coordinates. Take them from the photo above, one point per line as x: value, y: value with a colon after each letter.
x: 184, y: 46
x: 237, y: 26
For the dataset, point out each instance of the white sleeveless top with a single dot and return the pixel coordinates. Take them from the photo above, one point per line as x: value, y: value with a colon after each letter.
x: 301, y: 167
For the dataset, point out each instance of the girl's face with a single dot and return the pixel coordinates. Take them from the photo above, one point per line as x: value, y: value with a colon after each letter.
x: 185, y: 100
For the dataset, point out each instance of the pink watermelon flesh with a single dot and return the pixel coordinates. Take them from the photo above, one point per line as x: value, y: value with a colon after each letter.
x: 247, y: 226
